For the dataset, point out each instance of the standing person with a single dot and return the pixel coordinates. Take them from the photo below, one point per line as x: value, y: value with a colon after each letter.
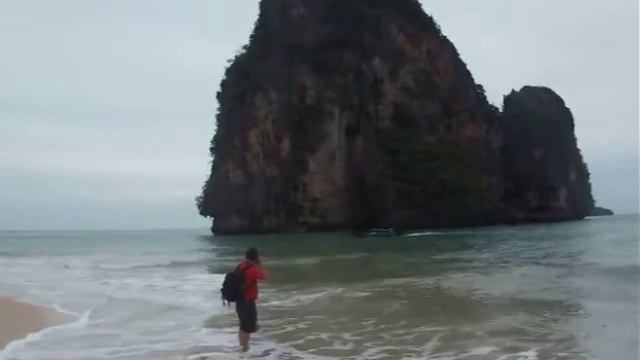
x: 246, y: 305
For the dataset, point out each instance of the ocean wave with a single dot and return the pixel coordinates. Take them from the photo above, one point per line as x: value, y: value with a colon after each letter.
x: 79, y: 323
x: 424, y: 233
x: 315, y: 260
x: 297, y: 299
x: 526, y: 355
x: 625, y: 272
x: 173, y: 264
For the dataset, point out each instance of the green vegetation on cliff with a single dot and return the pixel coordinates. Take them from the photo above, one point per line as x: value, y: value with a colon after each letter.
x: 430, y: 173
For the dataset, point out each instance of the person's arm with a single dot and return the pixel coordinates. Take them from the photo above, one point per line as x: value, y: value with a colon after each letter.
x: 261, y: 274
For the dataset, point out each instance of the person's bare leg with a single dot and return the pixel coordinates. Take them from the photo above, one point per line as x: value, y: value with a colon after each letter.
x: 244, y: 341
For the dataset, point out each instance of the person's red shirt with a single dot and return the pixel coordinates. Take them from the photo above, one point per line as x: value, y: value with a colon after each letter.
x: 252, y: 276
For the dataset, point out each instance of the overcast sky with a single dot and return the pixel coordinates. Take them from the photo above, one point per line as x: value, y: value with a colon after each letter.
x: 107, y: 106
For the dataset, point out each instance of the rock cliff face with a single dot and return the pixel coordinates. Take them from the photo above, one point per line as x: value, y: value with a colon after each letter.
x: 546, y: 177
x: 344, y: 114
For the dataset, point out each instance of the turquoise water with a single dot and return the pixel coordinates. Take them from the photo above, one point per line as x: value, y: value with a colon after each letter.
x: 557, y: 291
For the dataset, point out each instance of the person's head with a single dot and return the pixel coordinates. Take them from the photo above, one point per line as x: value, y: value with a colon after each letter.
x: 252, y: 255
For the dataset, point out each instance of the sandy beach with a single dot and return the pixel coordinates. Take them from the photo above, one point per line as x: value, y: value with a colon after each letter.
x: 19, y: 319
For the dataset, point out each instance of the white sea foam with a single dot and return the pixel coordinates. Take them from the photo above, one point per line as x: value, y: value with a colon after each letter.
x: 16, y: 345
x: 525, y: 355
x: 424, y: 233
x: 126, y: 305
x: 299, y: 299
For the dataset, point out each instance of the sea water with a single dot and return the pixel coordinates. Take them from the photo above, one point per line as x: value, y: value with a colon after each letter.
x: 556, y: 291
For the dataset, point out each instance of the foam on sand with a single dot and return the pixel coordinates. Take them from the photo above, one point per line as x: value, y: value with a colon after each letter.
x: 19, y: 319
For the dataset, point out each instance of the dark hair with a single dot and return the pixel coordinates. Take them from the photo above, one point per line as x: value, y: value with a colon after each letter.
x: 252, y: 254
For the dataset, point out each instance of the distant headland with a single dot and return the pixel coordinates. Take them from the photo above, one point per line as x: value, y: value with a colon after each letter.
x: 600, y: 211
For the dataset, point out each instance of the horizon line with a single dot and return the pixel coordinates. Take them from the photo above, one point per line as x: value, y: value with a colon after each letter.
x: 106, y: 229
x: 176, y: 228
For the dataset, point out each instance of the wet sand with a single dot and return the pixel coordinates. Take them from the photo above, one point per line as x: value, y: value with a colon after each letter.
x: 19, y: 319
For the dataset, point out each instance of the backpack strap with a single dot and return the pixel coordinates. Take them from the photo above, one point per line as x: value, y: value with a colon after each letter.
x: 244, y: 269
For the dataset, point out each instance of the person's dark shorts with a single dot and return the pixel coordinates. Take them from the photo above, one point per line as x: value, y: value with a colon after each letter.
x: 248, y: 315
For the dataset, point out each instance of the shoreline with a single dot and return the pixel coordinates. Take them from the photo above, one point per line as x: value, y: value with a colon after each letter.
x: 20, y: 319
